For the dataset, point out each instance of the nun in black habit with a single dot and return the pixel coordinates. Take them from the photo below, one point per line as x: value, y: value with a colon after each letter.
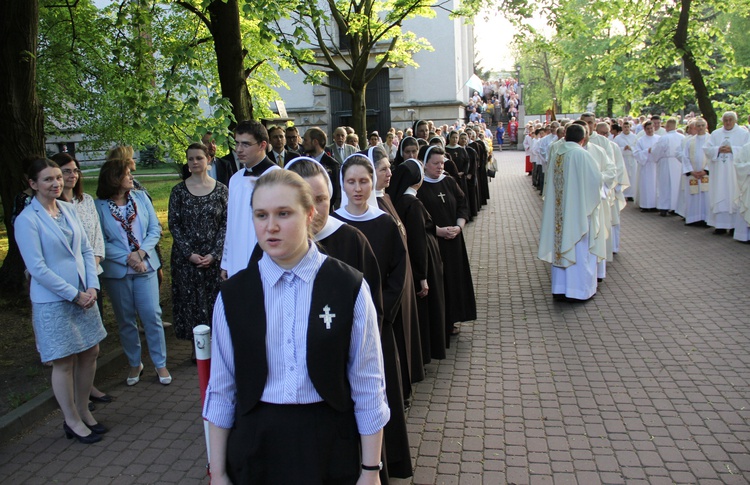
x: 359, y: 208
x: 447, y: 205
x: 424, y: 253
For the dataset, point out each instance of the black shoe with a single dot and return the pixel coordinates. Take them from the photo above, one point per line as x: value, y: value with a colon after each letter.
x: 629, y: 199
x: 97, y: 428
x: 105, y: 398
x: 645, y: 210
x: 663, y: 213
x: 720, y: 232
x: 731, y: 232
x: 86, y: 440
x: 91, y: 406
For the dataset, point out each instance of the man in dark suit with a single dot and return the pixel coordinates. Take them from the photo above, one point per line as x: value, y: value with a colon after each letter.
x: 292, y: 140
x: 219, y: 168
x: 278, y: 152
x: 314, y: 143
x: 339, y: 150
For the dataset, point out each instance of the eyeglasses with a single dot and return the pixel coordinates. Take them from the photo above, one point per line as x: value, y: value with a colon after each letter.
x: 68, y: 172
x: 246, y: 144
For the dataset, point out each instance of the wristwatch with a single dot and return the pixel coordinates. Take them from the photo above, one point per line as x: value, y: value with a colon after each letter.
x: 375, y: 468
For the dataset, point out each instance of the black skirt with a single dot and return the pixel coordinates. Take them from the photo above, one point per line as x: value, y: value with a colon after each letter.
x: 310, y: 443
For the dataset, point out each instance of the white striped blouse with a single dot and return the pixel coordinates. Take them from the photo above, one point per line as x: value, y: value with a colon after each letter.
x: 287, y: 297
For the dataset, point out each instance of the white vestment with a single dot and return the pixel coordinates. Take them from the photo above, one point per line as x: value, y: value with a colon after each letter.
x: 666, y: 152
x: 693, y: 201
x: 240, y: 240
x: 646, y: 194
x: 628, y: 141
x: 570, y: 237
x: 742, y: 221
x: 722, y: 178
x: 608, y: 170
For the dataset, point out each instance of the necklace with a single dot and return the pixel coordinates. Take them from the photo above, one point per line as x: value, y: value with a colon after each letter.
x: 55, y: 214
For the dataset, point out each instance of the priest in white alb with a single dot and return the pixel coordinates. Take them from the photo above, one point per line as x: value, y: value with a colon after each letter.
x: 646, y: 174
x: 570, y: 236
x: 721, y: 148
x: 626, y: 141
x: 693, y: 200
x: 666, y: 152
x: 742, y: 221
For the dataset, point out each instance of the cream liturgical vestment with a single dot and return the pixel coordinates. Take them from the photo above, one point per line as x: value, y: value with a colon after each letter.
x: 571, y: 238
x: 722, y: 179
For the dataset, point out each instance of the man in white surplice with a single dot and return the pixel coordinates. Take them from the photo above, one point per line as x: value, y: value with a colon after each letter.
x: 251, y: 140
x: 646, y: 173
x: 723, y: 143
x: 626, y: 141
x: 666, y: 152
x: 570, y: 237
x: 693, y: 200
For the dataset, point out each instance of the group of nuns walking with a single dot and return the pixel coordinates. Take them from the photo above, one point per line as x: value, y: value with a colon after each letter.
x: 402, y: 233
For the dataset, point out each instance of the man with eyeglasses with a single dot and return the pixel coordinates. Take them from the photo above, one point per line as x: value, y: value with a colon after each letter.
x: 251, y: 143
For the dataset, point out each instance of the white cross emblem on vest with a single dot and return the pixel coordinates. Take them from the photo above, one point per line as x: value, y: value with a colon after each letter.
x: 327, y: 316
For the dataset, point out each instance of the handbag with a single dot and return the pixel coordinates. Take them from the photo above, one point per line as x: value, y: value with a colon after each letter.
x: 492, y: 169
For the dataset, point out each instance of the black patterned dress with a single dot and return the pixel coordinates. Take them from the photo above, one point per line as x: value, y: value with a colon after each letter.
x: 198, y: 225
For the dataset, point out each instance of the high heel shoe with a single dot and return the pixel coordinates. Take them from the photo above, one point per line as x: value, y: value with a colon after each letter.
x: 97, y: 428
x: 86, y: 440
x: 165, y: 381
x: 131, y: 381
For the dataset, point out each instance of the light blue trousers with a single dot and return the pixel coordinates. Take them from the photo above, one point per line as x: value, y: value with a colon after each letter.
x: 138, y: 294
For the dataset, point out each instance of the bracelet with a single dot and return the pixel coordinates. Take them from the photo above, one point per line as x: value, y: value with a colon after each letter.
x: 374, y: 468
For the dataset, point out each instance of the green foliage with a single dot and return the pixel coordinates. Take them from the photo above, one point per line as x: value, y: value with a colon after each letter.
x: 623, y: 53
x: 141, y: 73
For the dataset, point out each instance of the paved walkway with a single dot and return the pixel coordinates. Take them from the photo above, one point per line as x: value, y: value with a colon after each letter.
x: 646, y: 383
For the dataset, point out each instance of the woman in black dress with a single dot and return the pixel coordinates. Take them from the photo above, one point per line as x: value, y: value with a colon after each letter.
x: 447, y: 205
x: 359, y: 208
x: 197, y: 221
x: 424, y: 255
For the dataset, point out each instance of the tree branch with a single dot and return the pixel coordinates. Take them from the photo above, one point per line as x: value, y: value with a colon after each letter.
x: 191, y: 8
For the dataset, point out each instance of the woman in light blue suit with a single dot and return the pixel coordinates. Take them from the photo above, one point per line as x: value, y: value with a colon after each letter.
x: 131, y: 231
x: 67, y: 324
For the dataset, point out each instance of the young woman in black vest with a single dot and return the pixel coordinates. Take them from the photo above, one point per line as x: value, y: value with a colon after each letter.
x: 297, y: 389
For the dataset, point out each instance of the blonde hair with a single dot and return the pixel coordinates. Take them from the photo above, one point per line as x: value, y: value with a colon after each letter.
x: 121, y: 152
x: 289, y: 179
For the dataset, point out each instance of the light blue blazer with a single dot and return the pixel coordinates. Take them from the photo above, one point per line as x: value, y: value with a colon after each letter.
x: 116, y: 249
x: 56, y: 268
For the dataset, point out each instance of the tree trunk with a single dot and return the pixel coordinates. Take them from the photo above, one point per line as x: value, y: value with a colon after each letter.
x: 694, y: 72
x: 359, y: 113
x: 610, y: 107
x: 230, y: 56
x: 22, y: 123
